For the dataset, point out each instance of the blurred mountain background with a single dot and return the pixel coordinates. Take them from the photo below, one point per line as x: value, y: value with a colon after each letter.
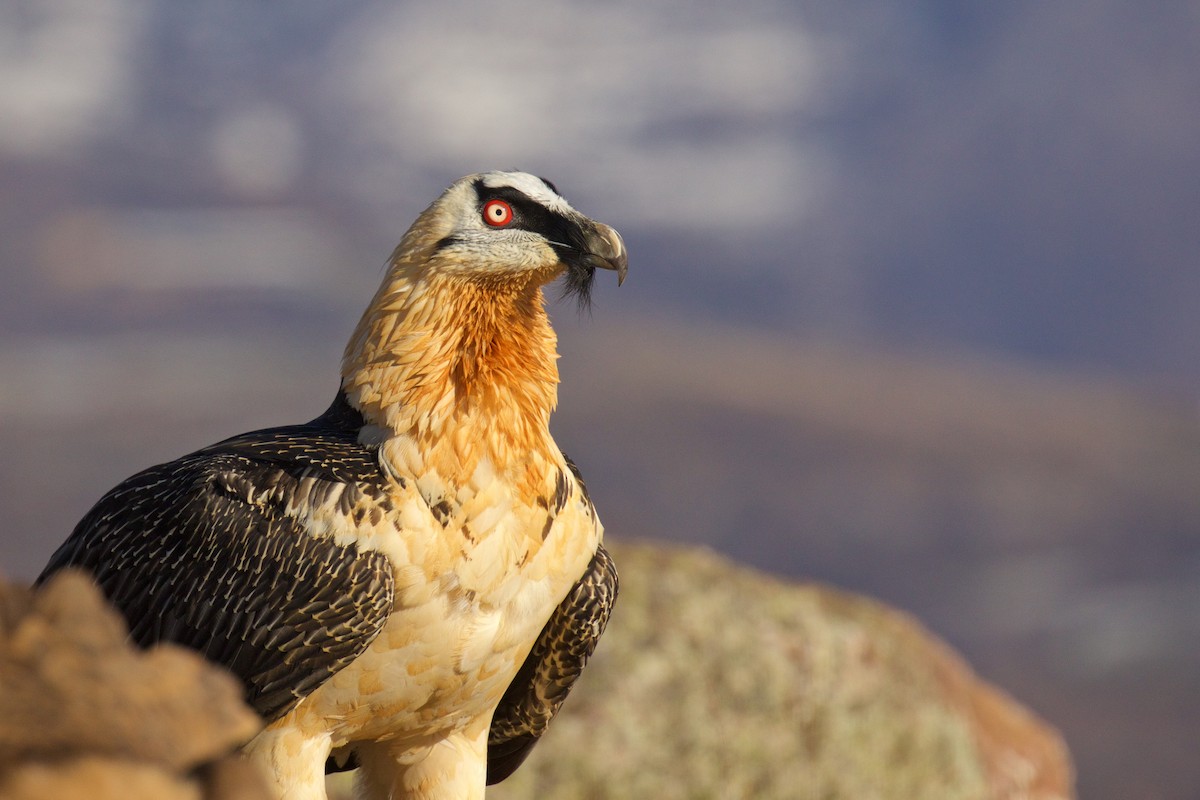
x: 912, y: 306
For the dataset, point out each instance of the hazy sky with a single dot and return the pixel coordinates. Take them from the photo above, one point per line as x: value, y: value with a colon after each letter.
x: 196, y: 199
x: 1021, y: 177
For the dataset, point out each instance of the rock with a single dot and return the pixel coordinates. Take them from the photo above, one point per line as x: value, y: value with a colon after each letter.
x: 712, y: 681
x: 96, y: 778
x: 717, y: 681
x: 82, y: 707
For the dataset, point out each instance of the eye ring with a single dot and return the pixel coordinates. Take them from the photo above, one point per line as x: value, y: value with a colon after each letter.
x: 497, y: 213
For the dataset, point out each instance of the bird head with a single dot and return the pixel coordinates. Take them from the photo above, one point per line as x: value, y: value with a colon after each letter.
x: 496, y: 228
x: 458, y: 331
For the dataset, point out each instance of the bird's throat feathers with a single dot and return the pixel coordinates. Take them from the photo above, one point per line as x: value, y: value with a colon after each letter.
x: 460, y: 369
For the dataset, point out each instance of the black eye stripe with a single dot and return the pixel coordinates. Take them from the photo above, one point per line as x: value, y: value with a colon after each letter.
x: 528, y: 214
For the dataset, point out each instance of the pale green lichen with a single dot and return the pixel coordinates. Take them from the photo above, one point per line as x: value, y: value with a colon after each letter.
x: 718, y: 682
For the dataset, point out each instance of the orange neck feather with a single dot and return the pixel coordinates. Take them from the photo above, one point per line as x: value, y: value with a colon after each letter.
x: 462, y: 370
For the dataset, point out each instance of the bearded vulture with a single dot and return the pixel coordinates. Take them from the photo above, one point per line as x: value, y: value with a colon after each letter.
x: 412, y: 581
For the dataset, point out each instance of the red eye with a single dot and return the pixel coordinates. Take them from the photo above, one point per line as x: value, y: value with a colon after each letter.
x: 497, y: 213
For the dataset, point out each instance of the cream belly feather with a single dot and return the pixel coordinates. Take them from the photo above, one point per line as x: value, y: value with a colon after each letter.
x: 475, y: 581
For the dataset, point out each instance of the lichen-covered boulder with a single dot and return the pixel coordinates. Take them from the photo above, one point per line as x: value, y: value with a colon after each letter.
x: 717, y: 681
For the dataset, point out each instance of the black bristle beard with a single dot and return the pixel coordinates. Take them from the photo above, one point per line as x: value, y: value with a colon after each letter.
x: 577, y: 282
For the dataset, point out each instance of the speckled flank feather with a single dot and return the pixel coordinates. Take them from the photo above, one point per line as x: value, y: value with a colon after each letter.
x: 386, y: 576
x: 552, y: 667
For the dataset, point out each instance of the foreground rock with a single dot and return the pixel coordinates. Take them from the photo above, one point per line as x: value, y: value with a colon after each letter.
x: 83, y: 714
x: 712, y: 681
x: 716, y: 681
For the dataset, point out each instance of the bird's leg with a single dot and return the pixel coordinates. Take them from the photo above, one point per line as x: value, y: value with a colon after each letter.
x: 451, y: 768
x: 292, y: 763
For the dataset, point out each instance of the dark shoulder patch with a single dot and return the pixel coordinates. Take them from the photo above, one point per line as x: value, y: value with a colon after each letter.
x: 340, y: 415
x: 578, y: 477
x: 328, y: 446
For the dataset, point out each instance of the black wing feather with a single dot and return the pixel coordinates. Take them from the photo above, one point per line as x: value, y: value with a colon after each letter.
x: 550, y: 670
x: 198, y: 552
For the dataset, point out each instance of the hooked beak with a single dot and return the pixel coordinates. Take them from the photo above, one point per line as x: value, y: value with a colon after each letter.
x: 589, y: 246
x: 604, y: 249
